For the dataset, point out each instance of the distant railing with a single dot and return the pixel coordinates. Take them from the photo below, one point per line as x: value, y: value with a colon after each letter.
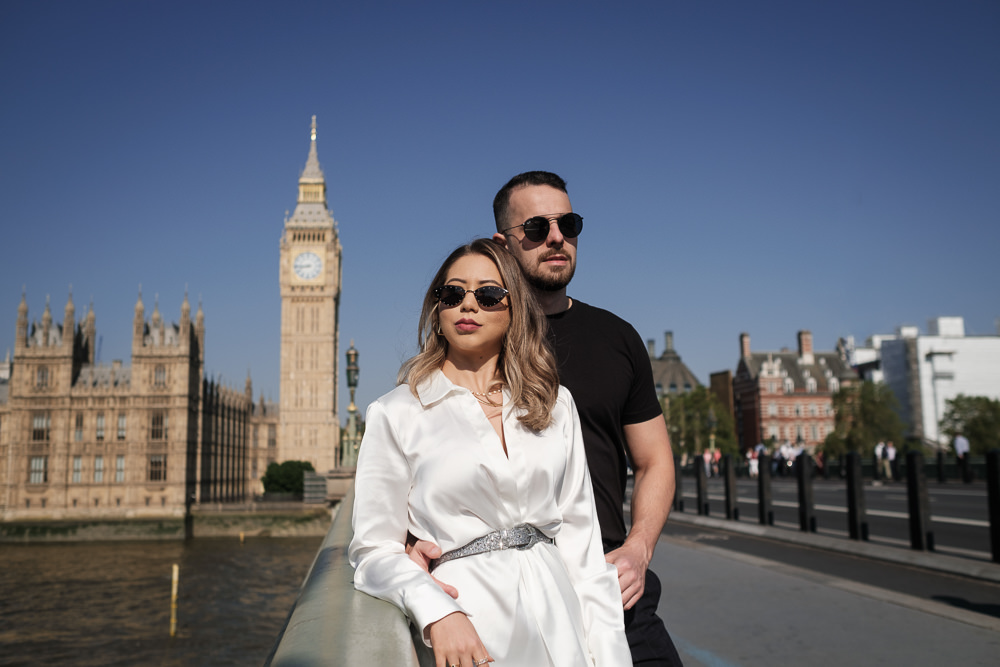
x: 333, y: 624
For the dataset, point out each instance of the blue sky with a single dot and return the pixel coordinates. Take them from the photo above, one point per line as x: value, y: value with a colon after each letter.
x: 762, y: 167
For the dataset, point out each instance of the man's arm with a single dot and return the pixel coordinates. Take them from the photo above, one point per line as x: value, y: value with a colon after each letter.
x: 652, y: 494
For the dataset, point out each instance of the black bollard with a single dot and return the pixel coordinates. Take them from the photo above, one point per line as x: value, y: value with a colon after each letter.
x: 678, y: 486
x: 807, y: 506
x: 765, y: 506
x: 940, y: 467
x: 857, y: 515
x: 702, y: 479
x: 732, y: 509
x: 921, y: 536
x: 993, y: 498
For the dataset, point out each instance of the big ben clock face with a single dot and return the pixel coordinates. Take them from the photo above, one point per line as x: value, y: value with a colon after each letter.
x: 307, y: 265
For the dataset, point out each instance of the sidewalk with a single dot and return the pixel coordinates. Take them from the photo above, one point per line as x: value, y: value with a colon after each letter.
x: 724, y: 608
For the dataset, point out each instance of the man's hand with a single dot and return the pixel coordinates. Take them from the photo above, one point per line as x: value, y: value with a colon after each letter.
x: 631, y: 560
x: 422, y: 553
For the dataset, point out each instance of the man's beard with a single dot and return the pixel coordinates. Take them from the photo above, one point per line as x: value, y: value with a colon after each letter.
x: 551, y: 282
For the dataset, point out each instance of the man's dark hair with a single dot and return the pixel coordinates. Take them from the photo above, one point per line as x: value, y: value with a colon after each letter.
x: 502, y: 201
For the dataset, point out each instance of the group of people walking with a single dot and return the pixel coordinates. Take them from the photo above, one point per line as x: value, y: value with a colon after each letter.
x: 491, y: 481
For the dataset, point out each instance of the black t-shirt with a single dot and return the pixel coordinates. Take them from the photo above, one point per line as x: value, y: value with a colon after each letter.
x: 604, y: 364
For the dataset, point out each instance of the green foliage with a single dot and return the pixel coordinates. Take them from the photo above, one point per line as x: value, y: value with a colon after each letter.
x: 975, y: 417
x: 689, y: 422
x: 865, y: 414
x: 285, y: 477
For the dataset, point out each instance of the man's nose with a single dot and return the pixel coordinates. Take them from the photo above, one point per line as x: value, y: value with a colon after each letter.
x: 555, y: 236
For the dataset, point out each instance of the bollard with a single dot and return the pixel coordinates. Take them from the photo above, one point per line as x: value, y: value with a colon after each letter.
x: 702, y: 479
x: 940, y: 467
x: 678, y: 486
x: 173, y: 600
x: 807, y: 507
x: 857, y: 515
x: 993, y: 499
x: 921, y: 537
x: 732, y: 509
x: 765, y: 506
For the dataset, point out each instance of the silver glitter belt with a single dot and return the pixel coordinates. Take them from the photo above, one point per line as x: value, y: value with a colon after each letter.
x: 522, y: 536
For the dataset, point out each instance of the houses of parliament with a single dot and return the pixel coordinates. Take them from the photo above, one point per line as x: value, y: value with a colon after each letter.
x: 83, y: 439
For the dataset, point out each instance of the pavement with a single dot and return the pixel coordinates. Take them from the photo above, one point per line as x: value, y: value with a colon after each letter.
x: 846, y: 602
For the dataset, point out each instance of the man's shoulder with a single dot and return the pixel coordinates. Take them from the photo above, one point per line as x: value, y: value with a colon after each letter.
x: 584, y: 312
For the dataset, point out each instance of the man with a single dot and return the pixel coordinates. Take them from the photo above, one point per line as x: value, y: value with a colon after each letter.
x: 962, y: 452
x: 604, y: 363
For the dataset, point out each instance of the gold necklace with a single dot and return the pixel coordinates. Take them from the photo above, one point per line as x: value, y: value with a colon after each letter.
x: 484, y: 398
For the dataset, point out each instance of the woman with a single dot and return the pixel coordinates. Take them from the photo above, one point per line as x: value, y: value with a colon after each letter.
x: 479, y: 449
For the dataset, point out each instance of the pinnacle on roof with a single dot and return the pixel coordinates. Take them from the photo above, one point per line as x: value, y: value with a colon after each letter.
x: 312, y: 173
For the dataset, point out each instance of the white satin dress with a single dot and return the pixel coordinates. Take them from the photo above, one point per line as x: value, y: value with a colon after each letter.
x: 436, y: 468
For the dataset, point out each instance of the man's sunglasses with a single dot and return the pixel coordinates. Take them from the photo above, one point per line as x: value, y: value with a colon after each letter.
x: 537, y: 228
x: 487, y: 296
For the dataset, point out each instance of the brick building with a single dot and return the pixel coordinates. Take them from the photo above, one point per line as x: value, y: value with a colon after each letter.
x: 787, y: 395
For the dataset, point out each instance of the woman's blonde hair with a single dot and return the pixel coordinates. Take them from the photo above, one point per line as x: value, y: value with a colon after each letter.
x: 526, y: 362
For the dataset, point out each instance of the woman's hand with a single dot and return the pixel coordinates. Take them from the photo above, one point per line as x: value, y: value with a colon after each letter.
x: 456, y: 643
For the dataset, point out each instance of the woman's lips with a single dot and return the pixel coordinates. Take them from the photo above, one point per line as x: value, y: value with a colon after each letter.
x: 467, y: 325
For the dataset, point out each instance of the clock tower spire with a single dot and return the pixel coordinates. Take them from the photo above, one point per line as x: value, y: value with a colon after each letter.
x: 310, y: 272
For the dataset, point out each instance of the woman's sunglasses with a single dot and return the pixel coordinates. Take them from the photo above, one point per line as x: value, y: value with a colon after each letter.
x: 537, y: 228
x: 487, y: 296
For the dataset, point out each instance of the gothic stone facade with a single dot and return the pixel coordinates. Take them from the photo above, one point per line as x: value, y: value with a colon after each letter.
x: 82, y: 439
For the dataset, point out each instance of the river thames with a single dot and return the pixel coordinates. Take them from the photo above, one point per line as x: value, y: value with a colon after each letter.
x: 108, y: 603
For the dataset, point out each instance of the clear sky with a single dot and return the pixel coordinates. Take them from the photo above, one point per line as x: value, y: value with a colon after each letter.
x: 741, y: 166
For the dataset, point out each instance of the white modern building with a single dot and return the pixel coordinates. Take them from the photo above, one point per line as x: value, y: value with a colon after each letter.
x: 925, y: 371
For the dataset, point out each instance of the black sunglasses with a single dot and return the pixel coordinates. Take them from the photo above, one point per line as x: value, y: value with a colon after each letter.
x: 487, y: 296
x: 537, y: 228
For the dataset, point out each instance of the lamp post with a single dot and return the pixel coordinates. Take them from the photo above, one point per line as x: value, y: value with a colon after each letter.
x: 712, y: 423
x: 352, y: 438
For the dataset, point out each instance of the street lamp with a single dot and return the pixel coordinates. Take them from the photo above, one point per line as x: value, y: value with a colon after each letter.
x: 352, y: 438
x: 712, y: 423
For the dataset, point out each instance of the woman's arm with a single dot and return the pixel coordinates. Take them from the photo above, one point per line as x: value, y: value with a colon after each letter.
x: 579, y: 543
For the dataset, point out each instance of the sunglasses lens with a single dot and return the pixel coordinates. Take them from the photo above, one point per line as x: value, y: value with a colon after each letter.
x: 450, y: 295
x: 536, y: 229
x: 490, y: 296
x: 571, y: 225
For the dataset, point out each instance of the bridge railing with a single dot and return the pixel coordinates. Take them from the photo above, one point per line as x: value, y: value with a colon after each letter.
x: 333, y: 624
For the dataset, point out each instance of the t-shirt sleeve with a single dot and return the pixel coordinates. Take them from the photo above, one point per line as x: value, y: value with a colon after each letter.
x: 642, y: 404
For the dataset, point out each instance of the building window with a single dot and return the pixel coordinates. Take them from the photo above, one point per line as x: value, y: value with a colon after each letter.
x: 834, y: 385
x: 789, y: 385
x: 100, y: 426
x: 160, y: 376
x: 272, y: 436
x: 772, y: 409
x: 42, y: 377
x: 78, y: 427
x: 815, y: 432
x: 673, y: 388
x: 41, y: 424
x: 38, y: 472
x: 811, y: 385
x: 798, y: 410
x: 121, y: 425
x: 77, y: 469
x: 120, y: 468
x: 813, y: 410
x: 98, y: 468
x: 158, y: 468
x: 158, y: 427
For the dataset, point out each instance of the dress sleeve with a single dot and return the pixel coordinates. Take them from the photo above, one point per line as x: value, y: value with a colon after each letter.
x: 579, y: 543
x: 377, y: 552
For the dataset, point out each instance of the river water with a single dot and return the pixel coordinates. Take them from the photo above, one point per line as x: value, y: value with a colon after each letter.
x: 108, y: 603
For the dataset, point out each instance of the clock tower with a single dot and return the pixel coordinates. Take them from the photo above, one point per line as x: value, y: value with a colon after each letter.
x: 309, y: 429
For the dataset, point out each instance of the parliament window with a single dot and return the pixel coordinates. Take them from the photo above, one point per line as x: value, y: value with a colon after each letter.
x: 158, y: 426
x: 42, y: 377
x: 100, y: 426
x: 38, y: 473
x: 98, y: 468
x: 78, y: 427
x: 160, y: 376
x: 41, y: 424
x: 121, y: 425
x: 77, y: 471
x: 158, y: 468
x: 120, y: 468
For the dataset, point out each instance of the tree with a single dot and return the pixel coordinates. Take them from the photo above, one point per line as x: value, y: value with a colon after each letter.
x: 975, y: 417
x: 689, y: 423
x: 865, y: 414
x: 285, y: 477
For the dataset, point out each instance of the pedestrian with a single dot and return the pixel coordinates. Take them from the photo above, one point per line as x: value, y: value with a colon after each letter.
x: 961, y: 445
